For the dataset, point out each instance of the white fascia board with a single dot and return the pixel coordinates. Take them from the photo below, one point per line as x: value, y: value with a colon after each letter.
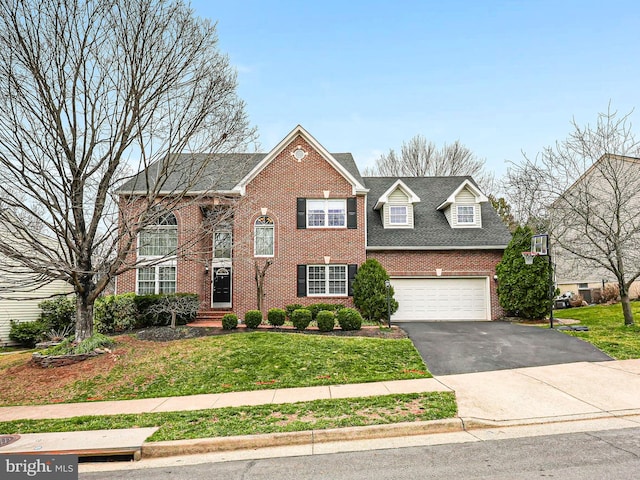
x: 299, y: 130
x: 437, y: 247
x: 384, y: 198
x: 480, y: 197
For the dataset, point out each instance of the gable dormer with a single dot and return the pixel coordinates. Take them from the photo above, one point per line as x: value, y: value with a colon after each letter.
x: 396, y: 206
x: 463, y: 208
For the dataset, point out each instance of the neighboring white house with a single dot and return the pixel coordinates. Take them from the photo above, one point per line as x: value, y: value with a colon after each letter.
x: 21, y: 291
x: 24, y: 307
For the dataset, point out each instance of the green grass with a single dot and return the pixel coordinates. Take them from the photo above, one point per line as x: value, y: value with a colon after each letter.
x: 606, y: 329
x: 318, y: 414
x: 236, y: 362
x: 257, y: 361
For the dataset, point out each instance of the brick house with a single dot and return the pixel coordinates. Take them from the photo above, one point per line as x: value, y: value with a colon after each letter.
x: 314, y: 218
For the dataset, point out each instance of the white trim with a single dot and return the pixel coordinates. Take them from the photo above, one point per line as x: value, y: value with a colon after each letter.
x: 327, y: 280
x: 406, y: 215
x: 384, y: 198
x: 443, y: 247
x: 156, y: 266
x: 480, y: 197
x: 298, y: 130
x: 326, y: 202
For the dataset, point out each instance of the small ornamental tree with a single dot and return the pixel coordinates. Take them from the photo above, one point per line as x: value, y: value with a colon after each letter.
x: 523, y: 290
x: 369, y: 291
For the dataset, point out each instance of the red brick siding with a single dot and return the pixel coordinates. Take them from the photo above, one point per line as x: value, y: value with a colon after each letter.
x: 454, y: 263
x: 277, y: 188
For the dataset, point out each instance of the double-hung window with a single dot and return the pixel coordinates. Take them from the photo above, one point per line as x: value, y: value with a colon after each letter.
x: 326, y: 280
x: 466, y: 214
x: 327, y: 213
x: 157, y: 279
x: 398, y: 215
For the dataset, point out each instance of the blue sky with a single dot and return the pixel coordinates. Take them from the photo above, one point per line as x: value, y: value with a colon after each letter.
x: 364, y: 76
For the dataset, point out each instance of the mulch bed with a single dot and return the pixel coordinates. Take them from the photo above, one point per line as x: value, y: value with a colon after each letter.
x: 166, y: 334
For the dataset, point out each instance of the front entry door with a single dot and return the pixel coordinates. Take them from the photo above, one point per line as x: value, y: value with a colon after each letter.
x: 222, y: 286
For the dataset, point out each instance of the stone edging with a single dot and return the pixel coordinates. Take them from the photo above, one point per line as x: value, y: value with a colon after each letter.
x: 51, y: 361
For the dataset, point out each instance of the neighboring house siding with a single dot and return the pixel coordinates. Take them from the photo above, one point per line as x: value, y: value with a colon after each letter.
x: 454, y: 263
x: 277, y: 189
x: 26, y: 309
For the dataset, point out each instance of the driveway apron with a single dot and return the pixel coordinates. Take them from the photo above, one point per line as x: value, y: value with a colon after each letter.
x: 450, y: 348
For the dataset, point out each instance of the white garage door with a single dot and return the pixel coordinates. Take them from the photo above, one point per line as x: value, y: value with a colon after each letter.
x: 441, y: 298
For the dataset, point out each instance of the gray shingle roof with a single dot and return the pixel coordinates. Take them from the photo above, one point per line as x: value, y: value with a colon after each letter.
x: 431, y: 228
x: 221, y: 173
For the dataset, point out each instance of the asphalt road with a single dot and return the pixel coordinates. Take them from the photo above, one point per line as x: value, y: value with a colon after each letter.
x: 594, y: 455
x: 465, y: 347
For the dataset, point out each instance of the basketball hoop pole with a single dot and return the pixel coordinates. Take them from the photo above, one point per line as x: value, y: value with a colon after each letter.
x: 540, y: 246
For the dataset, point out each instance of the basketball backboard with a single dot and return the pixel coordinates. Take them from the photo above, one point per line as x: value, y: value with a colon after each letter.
x: 540, y: 243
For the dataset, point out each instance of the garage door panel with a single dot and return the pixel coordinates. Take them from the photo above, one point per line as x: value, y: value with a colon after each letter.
x: 440, y: 298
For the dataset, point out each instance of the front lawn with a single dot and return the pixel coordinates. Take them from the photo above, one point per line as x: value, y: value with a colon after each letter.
x: 606, y: 329
x: 235, y: 362
x: 222, y: 422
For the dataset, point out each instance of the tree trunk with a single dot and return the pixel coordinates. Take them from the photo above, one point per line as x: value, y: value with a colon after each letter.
x: 84, y: 317
x: 260, y: 273
x: 173, y: 319
x: 626, y: 307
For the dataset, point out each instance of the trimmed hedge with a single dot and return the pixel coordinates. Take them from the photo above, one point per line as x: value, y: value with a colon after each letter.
x: 253, y: 318
x: 128, y: 311
x: 314, y: 308
x: 349, y: 319
x: 276, y: 317
x: 59, y: 313
x: 301, y: 318
x: 326, y: 320
x: 291, y: 308
x: 115, y: 313
x: 229, y: 321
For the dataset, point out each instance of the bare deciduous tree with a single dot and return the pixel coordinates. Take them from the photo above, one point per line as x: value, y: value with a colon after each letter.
x: 420, y: 158
x: 588, y: 189
x: 92, y: 91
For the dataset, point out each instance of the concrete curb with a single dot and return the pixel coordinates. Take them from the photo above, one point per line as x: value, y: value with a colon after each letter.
x: 308, y: 437
x: 312, y: 437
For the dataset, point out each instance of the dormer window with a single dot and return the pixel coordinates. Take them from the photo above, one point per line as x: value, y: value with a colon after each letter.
x: 396, y: 206
x: 466, y: 214
x: 398, y: 215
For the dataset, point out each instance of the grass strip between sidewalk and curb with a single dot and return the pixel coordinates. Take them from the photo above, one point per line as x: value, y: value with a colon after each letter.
x: 250, y: 420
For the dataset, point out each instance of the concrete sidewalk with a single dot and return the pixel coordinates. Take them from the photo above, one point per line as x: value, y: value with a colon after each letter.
x: 525, y: 396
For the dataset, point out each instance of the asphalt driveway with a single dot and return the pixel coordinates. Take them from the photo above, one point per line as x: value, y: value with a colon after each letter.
x: 465, y: 347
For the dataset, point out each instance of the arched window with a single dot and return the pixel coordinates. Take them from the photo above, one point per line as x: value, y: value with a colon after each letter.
x: 161, y: 238
x: 264, y: 231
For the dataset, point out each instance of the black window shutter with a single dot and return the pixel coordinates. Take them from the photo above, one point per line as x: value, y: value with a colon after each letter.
x: 353, y: 269
x: 352, y: 213
x: 302, y: 280
x: 302, y: 213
